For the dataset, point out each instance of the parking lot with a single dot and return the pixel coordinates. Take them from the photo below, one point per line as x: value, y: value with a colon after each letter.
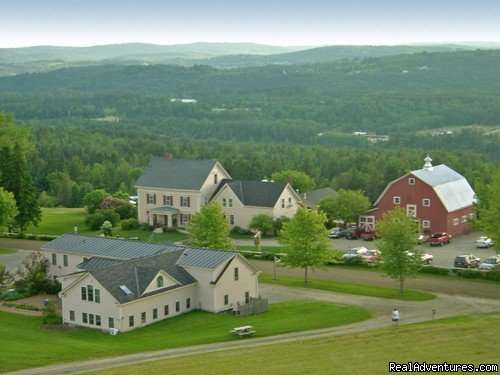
x: 443, y: 255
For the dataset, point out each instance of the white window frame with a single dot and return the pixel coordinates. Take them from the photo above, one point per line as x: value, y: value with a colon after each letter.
x: 463, y: 219
x: 184, y: 201
x: 426, y: 224
x: 230, y: 202
x: 231, y: 219
x: 396, y: 200
x: 411, y: 181
x: 184, y: 219
x: 411, y: 208
x: 426, y: 202
x: 456, y: 221
x: 150, y: 198
x: 283, y: 203
x: 223, y: 202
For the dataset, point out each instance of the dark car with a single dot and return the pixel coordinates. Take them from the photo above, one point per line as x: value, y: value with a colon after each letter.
x: 337, y: 232
x: 353, y: 233
x: 467, y: 261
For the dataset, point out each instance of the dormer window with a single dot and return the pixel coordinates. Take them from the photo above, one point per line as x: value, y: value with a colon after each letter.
x: 411, y: 181
x: 159, y: 282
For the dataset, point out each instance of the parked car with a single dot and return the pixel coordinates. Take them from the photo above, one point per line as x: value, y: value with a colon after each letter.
x: 372, y: 256
x: 422, y: 238
x: 484, y: 241
x: 354, y: 252
x: 491, y: 263
x: 467, y: 261
x: 439, y: 238
x: 337, y: 232
x: 426, y: 257
x: 352, y: 233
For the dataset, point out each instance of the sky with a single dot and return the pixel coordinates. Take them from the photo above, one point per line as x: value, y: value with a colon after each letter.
x: 274, y: 22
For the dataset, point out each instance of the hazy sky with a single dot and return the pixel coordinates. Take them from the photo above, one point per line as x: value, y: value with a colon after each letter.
x: 276, y: 22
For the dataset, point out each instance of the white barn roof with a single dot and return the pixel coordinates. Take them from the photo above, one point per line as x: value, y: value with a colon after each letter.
x: 451, y: 187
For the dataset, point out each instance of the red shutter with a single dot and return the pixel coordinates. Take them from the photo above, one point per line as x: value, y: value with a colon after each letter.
x: 171, y: 200
x: 164, y: 200
x: 189, y: 200
x: 154, y: 198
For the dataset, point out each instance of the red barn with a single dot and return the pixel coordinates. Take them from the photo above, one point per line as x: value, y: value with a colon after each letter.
x: 438, y: 197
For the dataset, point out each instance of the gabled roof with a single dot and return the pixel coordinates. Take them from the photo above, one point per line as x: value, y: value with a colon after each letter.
x: 137, y: 274
x: 104, y: 247
x: 94, y: 262
x: 451, y: 187
x: 254, y: 193
x: 179, y: 174
x: 313, y: 197
x: 203, y: 258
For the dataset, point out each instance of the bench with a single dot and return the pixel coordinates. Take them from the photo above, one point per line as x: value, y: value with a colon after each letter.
x: 243, y: 331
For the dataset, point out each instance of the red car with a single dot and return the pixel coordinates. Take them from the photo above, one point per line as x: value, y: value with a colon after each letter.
x: 439, y: 238
x: 372, y: 256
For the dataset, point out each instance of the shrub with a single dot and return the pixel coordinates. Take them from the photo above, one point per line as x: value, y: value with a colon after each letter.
x: 106, y: 228
x: 278, y: 224
x: 262, y: 223
x: 94, y: 221
x: 109, y: 215
x: 147, y: 226
x: 169, y: 230
x: 126, y: 211
x: 239, y: 230
x: 129, y: 224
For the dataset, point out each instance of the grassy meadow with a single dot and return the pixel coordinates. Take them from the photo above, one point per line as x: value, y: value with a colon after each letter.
x: 26, y: 344
x: 472, y: 339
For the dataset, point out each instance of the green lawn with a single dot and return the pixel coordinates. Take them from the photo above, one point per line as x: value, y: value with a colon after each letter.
x: 473, y: 339
x: 3, y: 250
x: 358, y: 289
x: 24, y: 344
x: 57, y: 221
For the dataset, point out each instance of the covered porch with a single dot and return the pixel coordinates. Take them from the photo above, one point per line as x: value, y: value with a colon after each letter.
x: 165, y: 216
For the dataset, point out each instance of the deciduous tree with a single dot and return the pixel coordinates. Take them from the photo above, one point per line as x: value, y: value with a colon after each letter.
x: 262, y: 223
x: 299, y: 180
x: 489, y: 210
x: 210, y: 229
x: 304, y: 240
x: 398, y: 245
x: 8, y: 208
x: 347, y: 205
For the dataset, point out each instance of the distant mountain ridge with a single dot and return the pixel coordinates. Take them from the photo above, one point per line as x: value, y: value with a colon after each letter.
x: 220, y: 55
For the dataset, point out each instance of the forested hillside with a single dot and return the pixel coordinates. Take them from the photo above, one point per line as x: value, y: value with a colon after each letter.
x: 96, y: 127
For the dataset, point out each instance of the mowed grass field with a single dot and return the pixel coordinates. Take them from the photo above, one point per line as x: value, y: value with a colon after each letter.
x: 24, y: 343
x: 473, y: 339
x: 57, y: 221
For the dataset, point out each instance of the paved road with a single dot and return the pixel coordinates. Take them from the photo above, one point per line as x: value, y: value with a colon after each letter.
x: 11, y: 261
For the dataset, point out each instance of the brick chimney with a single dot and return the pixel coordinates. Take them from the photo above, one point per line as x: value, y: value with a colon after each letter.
x: 168, y: 155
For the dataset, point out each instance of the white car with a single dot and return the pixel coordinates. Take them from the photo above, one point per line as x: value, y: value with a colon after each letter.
x: 484, y: 241
x: 426, y: 257
x: 354, y: 252
x: 490, y: 263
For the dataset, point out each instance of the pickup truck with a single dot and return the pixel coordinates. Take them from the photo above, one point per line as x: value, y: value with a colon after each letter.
x: 439, y: 238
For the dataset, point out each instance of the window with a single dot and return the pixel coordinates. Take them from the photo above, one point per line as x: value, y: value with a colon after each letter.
x: 90, y: 293
x: 65, y: 260
x: 97, y: 296
x: 224, y: 202
x: 426, y: 202
x: 231, y: 219
x: 85, y: 318
x: 226, y: 299
x: 111, y: 322
x: 98, y: 320
x: 236, y: 274
x: 185, y: 202
x: 289, y: 202
x: 91, y: 318
x: 143, y: 317
x: 71, y: 315
x: 155, y: 313
x: 247, y: 297
x: 205, y: 201
x: 283, y: 203
x: 168, y: 200
x: 165, y: 310
x: 131, y: 321
x: 177, y: 306
x: 185, y: 219
x: 84, y: 293
x: 151, y: 198
x: 463, y: 219
x: 456, y: 221
x: 230, y: 202
x: 159, y: 282
x: 472, y: 215
x: 215, y: 178
x: 188, y: 303
x: 54, y: 259
x: 426, y: 224
x: 396, y: 200
x: 411, y: 181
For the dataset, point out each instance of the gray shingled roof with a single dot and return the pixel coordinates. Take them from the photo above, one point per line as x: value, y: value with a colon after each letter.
x: 176, y: 173
x: 94, y: 262
x: 203, y: 258
x: 255, y: 193
x: 451, y: 187
x: 137, y: 274
x: 103, y: 247
x: 315, y: 196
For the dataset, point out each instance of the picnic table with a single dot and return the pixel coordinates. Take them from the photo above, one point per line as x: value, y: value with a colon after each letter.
x: 243, y: 331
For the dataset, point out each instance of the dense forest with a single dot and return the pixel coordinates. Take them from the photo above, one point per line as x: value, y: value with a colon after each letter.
x: 96, y: 127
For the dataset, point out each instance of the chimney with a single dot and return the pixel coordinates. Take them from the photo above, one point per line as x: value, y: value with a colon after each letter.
x: 168, y: 155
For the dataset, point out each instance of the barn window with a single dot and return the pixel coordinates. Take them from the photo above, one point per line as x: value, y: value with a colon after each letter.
x: 426, y: 202
x: 426, y: 224
x: 464, y: 219
x: 411, y: 181
x: 396, y: 200
x: 456, y: 221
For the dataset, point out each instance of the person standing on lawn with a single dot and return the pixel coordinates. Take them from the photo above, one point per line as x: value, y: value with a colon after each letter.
x: 395, y: 317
